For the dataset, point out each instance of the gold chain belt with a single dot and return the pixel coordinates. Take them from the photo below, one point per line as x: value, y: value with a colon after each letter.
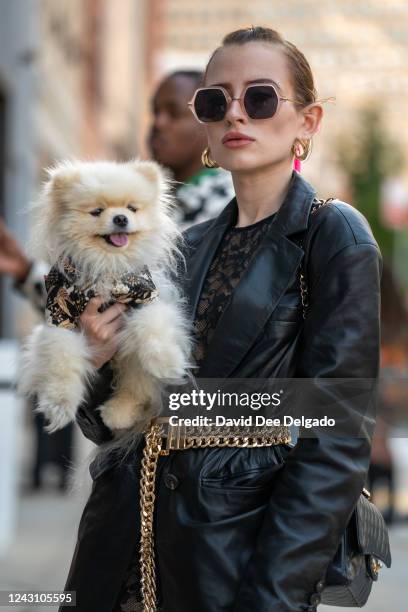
x: 182, y: 438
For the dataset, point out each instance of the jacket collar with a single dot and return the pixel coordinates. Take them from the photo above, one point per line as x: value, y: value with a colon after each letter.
x: 266, y: 279
x: 292, y: 216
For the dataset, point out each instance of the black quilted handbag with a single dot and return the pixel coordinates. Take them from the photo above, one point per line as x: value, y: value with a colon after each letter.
x: 363, y: 548
x: 364, y: 545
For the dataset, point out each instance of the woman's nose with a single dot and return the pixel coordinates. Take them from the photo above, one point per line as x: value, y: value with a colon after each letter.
x: 234, y: 111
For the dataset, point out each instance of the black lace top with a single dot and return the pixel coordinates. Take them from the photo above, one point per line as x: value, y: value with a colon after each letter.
x: 227, y: 267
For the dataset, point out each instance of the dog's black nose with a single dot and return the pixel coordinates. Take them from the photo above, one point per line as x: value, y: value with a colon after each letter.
x: 120, y: 220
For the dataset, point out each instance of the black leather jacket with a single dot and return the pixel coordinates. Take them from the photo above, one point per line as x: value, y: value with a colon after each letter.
x: 251, y: 529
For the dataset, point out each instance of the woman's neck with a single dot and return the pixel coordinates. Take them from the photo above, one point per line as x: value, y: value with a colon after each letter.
x: 260, y: 193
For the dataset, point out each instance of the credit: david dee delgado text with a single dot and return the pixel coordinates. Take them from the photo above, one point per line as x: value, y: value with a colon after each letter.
x: 251, y: 421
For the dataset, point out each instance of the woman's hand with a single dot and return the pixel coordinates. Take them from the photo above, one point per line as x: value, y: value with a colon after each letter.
x: 101, y: 329
x: 12, y: 258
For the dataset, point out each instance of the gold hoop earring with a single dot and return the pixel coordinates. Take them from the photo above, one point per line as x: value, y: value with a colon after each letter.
x: 206, y: 159
x: 301, y: 149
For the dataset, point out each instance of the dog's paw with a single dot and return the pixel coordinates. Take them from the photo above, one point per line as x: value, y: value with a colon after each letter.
x: 157, y: 334
x: 122, y: 412
x: 163, y: 360
x: 57, y: 416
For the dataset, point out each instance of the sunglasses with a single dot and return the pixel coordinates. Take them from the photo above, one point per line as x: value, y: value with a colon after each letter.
x: 260, y: 101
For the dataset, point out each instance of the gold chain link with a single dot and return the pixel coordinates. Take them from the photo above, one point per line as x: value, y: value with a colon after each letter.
x: 244, y: 442
x: 302, y: 279
x: 151, y: 453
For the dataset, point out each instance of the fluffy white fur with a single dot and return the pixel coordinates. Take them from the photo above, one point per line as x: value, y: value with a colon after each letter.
x: 155, y: 344
x: 56, y: 364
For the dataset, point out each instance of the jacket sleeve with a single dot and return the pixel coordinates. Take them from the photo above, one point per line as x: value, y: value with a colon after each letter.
x: 87, y: 417
x: 316, y: 490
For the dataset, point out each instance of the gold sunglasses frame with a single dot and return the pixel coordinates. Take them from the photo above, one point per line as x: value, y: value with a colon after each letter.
x: 229, y: 99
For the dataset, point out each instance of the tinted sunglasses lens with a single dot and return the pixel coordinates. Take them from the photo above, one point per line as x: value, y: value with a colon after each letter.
x: 210, y: 105
x: 261, y: 102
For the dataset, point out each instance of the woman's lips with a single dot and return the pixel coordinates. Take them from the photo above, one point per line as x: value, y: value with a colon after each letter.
x: 234, y: 141
x: 237, y: 142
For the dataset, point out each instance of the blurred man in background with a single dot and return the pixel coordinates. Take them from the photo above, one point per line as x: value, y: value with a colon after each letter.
x: 175, y: 141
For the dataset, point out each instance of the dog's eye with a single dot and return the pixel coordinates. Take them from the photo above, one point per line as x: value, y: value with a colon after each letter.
x: 132, y: 208
x: 96, y: 212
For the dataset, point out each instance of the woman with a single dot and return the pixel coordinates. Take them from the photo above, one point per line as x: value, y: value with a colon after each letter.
x: 246, y: 528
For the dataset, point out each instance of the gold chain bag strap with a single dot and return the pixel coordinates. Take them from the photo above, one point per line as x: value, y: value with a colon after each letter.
x: 302, y: 277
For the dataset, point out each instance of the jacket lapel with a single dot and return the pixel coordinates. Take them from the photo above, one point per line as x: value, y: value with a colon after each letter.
x: 266, y: 279
x: 199, y: 262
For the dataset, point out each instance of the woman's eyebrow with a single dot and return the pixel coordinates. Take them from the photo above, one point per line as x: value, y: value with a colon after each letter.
x: 251, y: 82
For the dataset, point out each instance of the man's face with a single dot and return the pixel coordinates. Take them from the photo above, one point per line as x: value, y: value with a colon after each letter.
x: 176, y: 139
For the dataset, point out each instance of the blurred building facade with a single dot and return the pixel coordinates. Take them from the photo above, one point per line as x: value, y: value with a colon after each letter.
x: 357, y: 50
x: 76, y: 77
x: 71, y: 84
x: 17, y: 81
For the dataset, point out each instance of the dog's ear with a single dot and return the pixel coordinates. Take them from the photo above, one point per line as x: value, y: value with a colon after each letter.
x: 60, y: 180
x: 154, y: 173
x: 149, y: 169
x: 48, y: 207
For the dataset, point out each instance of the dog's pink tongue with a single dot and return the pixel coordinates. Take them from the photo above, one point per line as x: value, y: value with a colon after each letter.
x: 119, y: 239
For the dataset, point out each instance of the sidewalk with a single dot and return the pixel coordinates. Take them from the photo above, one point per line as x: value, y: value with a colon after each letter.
x: 390, y: 593
x: 42, y: 552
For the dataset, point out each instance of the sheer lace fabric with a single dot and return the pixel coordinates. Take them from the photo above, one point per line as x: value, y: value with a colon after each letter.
x: 226, y: 269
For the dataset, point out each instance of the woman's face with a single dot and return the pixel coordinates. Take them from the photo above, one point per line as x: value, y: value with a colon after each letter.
x: 269, y: 140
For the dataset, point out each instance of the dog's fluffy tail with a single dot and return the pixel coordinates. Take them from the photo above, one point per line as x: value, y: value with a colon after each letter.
x: 55, y: 366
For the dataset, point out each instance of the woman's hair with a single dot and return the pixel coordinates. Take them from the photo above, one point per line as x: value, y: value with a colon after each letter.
x: 299, y: 68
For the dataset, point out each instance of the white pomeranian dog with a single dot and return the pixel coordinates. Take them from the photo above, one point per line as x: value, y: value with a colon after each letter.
x: 107, y: 230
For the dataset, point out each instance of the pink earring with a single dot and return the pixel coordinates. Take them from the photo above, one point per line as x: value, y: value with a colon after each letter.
x: 297, y: 150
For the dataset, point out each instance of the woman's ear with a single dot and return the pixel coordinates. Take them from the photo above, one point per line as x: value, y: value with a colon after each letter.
x: 311, y: 121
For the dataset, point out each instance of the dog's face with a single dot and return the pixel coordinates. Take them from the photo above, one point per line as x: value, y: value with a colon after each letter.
x: 102, y: 212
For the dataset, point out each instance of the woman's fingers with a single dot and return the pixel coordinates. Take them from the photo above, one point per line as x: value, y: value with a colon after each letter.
x: 112, y: 313
x: 92, y: 309
x: 115, y: 325
x: 101, y: 328
x: 98, y: 325
x: 92, y: 312
x: 93, y: 305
